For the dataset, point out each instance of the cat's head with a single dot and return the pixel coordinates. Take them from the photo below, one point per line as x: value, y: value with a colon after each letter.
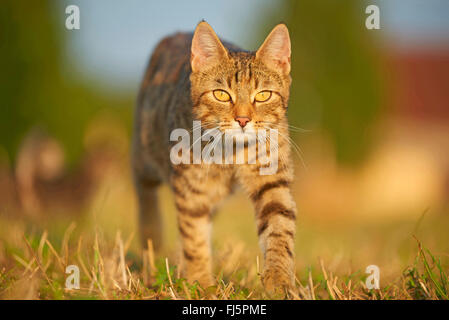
x: 237, y: 89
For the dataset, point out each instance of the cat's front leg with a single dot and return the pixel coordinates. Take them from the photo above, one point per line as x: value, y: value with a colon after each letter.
x: 275, y: 218
x: 194, y: 225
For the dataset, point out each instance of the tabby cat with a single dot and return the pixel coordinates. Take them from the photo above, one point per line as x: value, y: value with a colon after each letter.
x: 198, y: 77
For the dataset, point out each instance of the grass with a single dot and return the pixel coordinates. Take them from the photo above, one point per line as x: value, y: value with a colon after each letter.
x: 331, y: 257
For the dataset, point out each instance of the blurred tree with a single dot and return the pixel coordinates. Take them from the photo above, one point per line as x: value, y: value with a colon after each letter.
x: 336, y: 84
x: 35, y: 89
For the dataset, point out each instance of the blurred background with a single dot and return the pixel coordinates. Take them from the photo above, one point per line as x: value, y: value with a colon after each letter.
x: 374, y: 160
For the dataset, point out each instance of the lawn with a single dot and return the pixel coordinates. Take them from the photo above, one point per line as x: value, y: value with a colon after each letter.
x: 331, y: 254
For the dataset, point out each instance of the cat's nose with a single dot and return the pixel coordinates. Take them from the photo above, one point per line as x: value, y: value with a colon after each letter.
x: 242, y: 121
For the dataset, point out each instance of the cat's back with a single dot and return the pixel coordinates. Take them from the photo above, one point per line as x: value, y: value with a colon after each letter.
x: 169, y: 65
x: 163, y: 103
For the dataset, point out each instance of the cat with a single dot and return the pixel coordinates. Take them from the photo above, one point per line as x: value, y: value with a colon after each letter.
x: 199, y: 77
x: 46, y: 186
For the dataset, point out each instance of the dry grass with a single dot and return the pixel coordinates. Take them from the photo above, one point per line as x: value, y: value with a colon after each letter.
x: 331, y: 256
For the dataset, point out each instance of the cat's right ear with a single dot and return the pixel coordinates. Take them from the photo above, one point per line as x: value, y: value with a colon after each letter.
x: 207, y: 50
x: 276, y: 50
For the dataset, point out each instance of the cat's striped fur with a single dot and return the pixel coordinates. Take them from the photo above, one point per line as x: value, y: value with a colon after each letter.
x: 177, y: 89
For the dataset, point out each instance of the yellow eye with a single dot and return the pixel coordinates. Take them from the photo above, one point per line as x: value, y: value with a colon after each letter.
x: 263, y: 96
x: 222, y: 95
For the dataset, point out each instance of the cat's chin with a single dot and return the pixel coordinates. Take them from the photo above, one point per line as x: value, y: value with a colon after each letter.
x: 240, y: 137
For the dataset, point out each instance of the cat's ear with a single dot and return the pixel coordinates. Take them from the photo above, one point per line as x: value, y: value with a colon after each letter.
x: 275, y: 51
x: 207, y: 50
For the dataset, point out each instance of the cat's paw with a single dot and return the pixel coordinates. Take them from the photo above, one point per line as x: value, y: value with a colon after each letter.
x: 204, y: 280
x: 277, y: 283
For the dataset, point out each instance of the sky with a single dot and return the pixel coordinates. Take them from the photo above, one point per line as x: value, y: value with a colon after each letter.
x: 116, y: 37
x: 412, y: 23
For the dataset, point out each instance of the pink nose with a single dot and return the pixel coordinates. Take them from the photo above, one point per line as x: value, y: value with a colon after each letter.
x: 242, y: 121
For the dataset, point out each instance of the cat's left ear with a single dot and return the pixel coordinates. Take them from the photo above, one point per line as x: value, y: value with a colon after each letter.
x: 276, y: 50
x: 207, y: 50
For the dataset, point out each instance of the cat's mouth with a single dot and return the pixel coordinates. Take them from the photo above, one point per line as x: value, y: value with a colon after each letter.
x: 232, y: 127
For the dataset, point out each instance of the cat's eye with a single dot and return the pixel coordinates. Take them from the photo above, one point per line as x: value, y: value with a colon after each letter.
x: 263, y: 96
x: 222, y: 95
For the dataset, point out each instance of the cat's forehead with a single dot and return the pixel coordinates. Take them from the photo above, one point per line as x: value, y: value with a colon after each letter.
x: 244, y: 69
x: 240, y: 60
x: 242, y: 56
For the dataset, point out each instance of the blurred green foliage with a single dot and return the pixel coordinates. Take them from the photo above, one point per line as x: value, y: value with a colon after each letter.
x: 36, y: 88
x: 336, y: 83
x: 335, y: 69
